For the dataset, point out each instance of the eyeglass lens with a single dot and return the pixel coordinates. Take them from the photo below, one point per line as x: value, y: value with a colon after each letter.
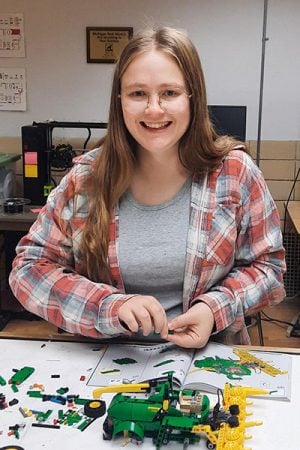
x: 168, y: 100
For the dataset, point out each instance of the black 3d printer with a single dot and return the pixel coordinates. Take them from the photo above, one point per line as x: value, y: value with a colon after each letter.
x: 40, y: 156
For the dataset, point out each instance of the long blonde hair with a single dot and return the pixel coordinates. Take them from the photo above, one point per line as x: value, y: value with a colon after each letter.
x: 200, y: 148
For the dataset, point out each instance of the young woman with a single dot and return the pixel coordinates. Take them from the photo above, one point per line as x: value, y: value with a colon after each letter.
x: 167, y: 230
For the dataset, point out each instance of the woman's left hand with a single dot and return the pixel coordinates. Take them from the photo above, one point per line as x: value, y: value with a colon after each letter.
x: 193, y: 328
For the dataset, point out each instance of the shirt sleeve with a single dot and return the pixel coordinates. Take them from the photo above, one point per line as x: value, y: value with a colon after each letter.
x: 255, y: 279
x: 45, y: 279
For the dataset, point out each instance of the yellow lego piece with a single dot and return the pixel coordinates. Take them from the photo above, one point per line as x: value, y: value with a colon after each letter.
x: 137, y: 387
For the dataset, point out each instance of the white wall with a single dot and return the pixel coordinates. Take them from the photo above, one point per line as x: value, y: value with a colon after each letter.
x: 227, y: 33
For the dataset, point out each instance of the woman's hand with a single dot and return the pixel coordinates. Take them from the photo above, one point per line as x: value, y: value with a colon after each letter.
x: 193, y: 328
x: 144, y: 312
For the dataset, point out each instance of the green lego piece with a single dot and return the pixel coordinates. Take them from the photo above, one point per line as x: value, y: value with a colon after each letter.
x: 62, y: 391
x: 72, y: 418
x: 17, y: 434
x: 2, y: 381
x: 21, y: 375
x: 81, y: 401
x: 14, y: 388
x: 42, y: 417
x: 84, y: 424
x: 37, y: 394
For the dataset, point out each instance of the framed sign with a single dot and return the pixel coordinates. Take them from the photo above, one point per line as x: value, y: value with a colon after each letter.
x: 105, y: 44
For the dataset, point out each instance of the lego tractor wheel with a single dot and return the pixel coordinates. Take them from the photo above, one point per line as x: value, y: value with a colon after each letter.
x: 95, y: 409
x: 233, y: 421
x: 12, y: 447
x: 234, y: 410
x: 210, y: 445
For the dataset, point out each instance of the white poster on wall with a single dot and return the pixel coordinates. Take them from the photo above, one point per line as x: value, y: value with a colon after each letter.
x: 12, y: 89
x: 12, y: 41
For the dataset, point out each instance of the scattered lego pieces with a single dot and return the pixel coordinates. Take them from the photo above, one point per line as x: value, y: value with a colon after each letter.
x: 73, y: 416
x: 14, y: 430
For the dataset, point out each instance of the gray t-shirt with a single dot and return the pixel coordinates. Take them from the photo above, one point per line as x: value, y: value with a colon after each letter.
x: 152, y: 248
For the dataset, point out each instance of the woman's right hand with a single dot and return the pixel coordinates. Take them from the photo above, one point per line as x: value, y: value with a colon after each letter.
x: 144, y: 312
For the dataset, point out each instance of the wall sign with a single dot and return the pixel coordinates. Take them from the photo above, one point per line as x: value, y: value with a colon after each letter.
x: 12, y: 35
x: 12, y: 89
x: 105, y: 44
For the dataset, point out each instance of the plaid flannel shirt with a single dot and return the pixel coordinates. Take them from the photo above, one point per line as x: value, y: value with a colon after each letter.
x: 234, y: 255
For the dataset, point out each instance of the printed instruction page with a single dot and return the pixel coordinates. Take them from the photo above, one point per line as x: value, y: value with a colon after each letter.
x: 126, y: 363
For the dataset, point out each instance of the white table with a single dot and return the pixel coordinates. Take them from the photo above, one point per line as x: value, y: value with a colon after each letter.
x: 280, y: 430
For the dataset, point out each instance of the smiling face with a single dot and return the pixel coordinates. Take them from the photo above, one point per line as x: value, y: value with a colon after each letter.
x: 155, y: 102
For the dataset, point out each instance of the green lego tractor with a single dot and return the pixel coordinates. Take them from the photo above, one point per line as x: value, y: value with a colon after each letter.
x: 164, y: 414
x: 155, y: 416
